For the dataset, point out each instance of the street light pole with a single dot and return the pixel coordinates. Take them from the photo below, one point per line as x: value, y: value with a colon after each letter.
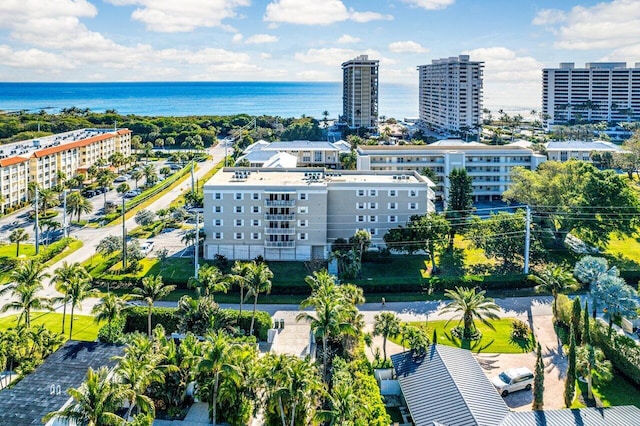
x: 37, y: 225
x: 124, y: 238
x: 195, y: 263
x: 64, y: 213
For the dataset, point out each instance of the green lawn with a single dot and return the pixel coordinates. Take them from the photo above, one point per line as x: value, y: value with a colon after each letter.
x: 619, y: 391
x: 625, y: 252
x: 9, y: 250
x: 493, y: 341
x: 83, y: 326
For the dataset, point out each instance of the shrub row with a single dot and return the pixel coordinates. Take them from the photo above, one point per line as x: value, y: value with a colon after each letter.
x: 136, y: 320
x: 623, y: 352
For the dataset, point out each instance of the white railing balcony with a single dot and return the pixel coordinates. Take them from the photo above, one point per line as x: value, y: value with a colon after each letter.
x: 279, y: 244
x: 283, y: 217
x: 279, y: 231
x: 280, y: 203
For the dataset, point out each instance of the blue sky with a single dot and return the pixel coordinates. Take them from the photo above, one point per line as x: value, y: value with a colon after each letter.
x: 307, y: 40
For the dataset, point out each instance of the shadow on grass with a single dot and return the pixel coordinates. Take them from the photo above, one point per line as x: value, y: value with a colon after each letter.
x: 526, y: 345
x: 477, y: 346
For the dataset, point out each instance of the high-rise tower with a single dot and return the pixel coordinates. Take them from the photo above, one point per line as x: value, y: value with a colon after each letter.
x: 360, y: 92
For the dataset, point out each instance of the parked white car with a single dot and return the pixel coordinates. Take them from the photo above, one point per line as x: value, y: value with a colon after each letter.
x: 147, y: 247
x: 512, y: 380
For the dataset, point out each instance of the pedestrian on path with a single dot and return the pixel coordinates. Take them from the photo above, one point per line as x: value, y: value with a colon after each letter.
x: 384, y: 302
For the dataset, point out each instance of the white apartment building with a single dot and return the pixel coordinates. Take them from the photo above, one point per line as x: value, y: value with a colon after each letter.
x: 601, y: 91
x: 306, y: 153
x: 360, y: 92
x: 488, y: 165
x: 295, y: 214
x: 579, y: 150
x: 39, y: 160
x: 450, y: 95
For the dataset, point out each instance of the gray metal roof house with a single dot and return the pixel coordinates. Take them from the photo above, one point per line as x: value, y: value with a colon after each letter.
x: 45, y: 389
x: 448, y: 387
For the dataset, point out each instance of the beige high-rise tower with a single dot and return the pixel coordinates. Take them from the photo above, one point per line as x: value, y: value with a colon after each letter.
x: 360, y: 92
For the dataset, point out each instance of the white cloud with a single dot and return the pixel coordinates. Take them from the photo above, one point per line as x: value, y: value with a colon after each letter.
x: 430, y: 4
x: 314, y: 12
x: 32, y: 58
x: 261, y: 39
x: 16, y: 12
x: 237, y: 38
x: 264, y: 55
x: 606, y: 25
x: 184, y: 15
x: 331, y: 56
x: 407, y: 47
x: 549, y: 16
x: 346, y: 39
x: 313, y: 75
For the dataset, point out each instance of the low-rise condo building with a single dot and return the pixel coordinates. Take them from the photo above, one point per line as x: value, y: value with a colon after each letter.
x: 295, y: 214
x: 488, y: 165
x: 307, y: 153
x: 580, y: 150
x: 44, y: 160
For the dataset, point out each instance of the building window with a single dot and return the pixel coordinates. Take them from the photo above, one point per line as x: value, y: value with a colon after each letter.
x: 413, y: 193
x: 218, y: 209
x: 255, y: 196
x: 256, y: 209
x: 359, y: 218
x: 373, y: 206
x: 360, y: 206
x: 217, y: 196
x: 393, y: 193
x: 373, y: 232
x: 255, y: 235
x: 302, y: 223
x: 373, y: 219
x: 217, y: 236
x: 393, y: 219
x: 255, y: 222
x: 217, y: 222
x: 239, y: 196
x: 239, y: 209
x: 239, y: 236
x: 239, y: 222
x: 302, y: 196
x: 373, y: 192
x: 303, y: 210
x: 413, y: 206
x: 303, y: 236
x: 360, y: 193
x: 317, y: 156
x: 393, y: 206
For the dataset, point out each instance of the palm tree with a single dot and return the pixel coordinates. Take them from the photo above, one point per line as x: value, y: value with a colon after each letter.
x: 472, y: 305
x: 387, y: 324
x: 258, y: 279
x: 592, y: 365
x: 47, y: 198
x: 49, y: 225
x: 151, y: 289
x: 26, y: 283
x: 136, y: 175
x: 214, y: 359
x: 237, y: 276
x: 556, y: 280
x: 77, y: 204
x: 138, y: 374
x: 78, y: 290
x: 210, y: 280
x: 62, y: 277
x: 109, y: 308
x: 94, y: 402
x: 105, y: 179
x: 16, y: 237
x: 150, y: 174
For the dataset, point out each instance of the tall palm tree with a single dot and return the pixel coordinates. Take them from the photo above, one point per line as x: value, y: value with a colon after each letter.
x: 94, y: 402
x: 151, y: 289
x: 214, y: 359
x: 18, y: 236
x: 150, y: 174
x: 472, y: 305
x: 556, y: 280
x: 62, y: 277
x: 210, y: 280
x: 387, y: 324
x: 77, y: 204
x: 237, y: 276
x: 138, y: 374
x: 47, y: 198
x: 26, y: 283
x: 258, y: 279
x: 109, y: 308
x: 136, y: 175
x: 78, y: 290
x: 592, y: 365
x: 105, y: 179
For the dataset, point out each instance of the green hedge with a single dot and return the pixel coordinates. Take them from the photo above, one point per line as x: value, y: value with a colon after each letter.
x: 136, y: 320
x: 623, y: 352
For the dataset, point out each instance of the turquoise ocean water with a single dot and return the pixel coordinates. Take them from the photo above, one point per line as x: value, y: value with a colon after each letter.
x: 202, y: 98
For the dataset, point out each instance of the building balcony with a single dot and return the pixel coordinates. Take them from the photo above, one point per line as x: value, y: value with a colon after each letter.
x: 281, y: 217
x: 280, y: 231
x: 279, y: 244
x: 280, y: 203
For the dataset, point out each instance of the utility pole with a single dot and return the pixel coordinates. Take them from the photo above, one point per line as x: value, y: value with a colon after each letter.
x: 193, y: 188
x: 65, y: 232
x: 197, y: 242
x: 124, y: 238
x: 527, y: 240
x: 37, y: 224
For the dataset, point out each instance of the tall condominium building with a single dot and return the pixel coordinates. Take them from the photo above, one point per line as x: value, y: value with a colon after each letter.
x: 47, y: 159
x: 295, y: 214
x: 488, y: 165
x: 360, y: 92
x: 450, y: 95
x: 601, y: 91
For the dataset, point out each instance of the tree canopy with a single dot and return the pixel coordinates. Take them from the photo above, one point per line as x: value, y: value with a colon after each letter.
x: 576, y: 197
